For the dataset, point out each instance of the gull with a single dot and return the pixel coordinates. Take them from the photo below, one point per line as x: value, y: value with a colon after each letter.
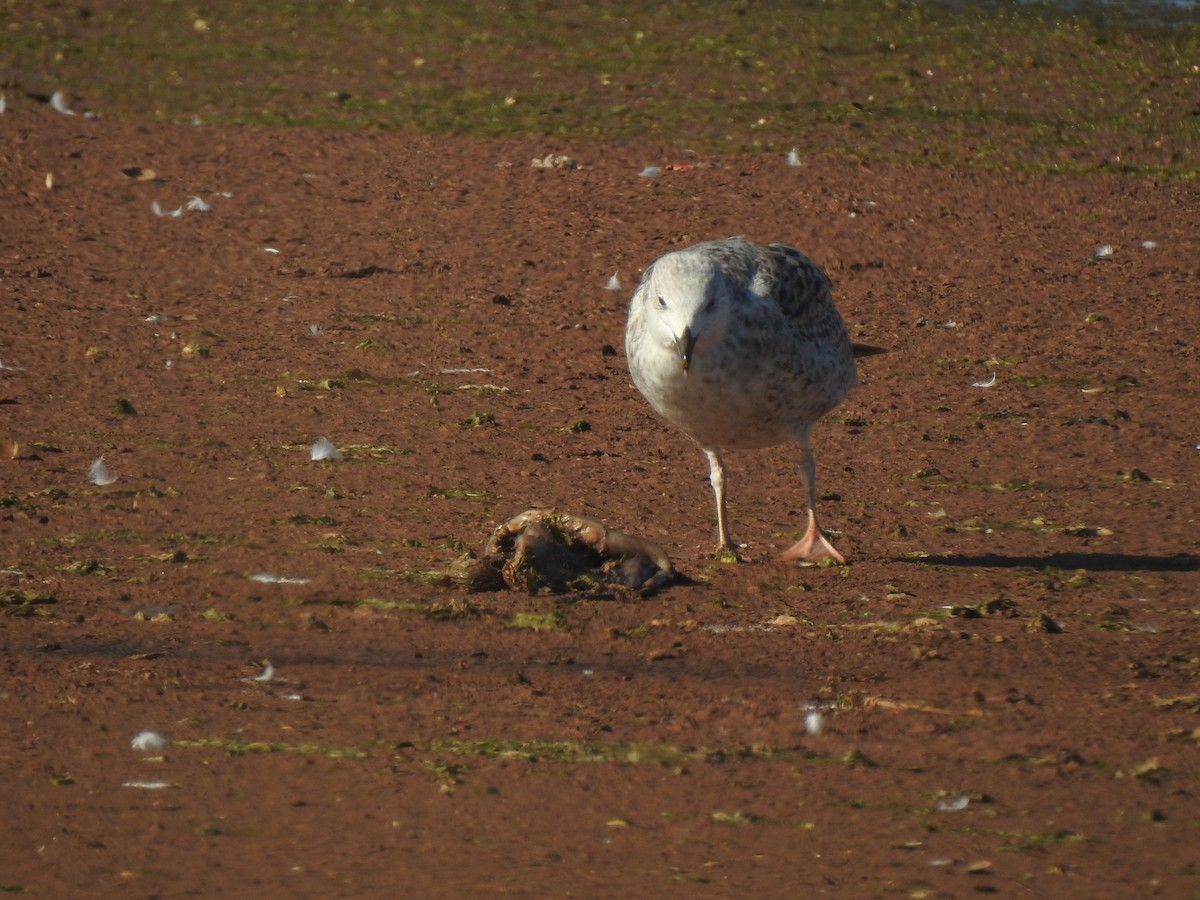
x: 741, y: 346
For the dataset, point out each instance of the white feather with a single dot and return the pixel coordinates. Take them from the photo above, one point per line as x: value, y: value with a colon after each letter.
x: 268, y: 578
x: 649, y: 172
x: 162, y: 213
x: 957, y: 803
x: 59, y: 103
x: 986, y: 383
x: 614, y: 283
x: 793, y: 158
x: 149, y: 742
x: 324, y: 449
x: 266, y: 674
x: 196, y: 204
x: 98, y: 473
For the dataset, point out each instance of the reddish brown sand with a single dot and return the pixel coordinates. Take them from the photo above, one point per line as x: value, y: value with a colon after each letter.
x: 1015, y: 630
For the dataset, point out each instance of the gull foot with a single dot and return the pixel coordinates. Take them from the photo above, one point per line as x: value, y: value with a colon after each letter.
x: 813, y: 548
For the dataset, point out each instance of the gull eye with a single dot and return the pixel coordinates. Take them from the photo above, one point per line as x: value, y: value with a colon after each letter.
x: 662, y: 303
x: 709, y: 304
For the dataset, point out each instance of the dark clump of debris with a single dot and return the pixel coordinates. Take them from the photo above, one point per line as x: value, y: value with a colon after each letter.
x: 542, y: 551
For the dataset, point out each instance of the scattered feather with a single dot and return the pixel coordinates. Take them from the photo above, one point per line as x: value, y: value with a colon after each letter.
x: 269, y: 250
x: 294, y: 695
x: 268, y: 578
x: 7, y: 368
x: 59, y: 104
x: 947, y: 324
x: 324, y: 449
x: 649, y: 172
x: 722, y: 628
x: 266, y: 674
x: 957, y: 803
x: 1149, y: 245
x: 150, y: 784
x: 196, y: 204
x: 157, y: 318
x: 315, y: 330
x: 986, y: 383
x: 814, y: 723
x: 555, y: 161
x: 793, y: 158
x: 149, y: 742
x: 1104, y: 252
x: 98, y: 473
x: 614, y: 283
x: 3, y: 104
x: 196, y: 120
x: 162, y: 213
x: 49, y: 181
x: 465, y: 371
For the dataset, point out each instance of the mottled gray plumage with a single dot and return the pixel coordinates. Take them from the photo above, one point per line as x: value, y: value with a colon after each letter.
x: 740, y: 345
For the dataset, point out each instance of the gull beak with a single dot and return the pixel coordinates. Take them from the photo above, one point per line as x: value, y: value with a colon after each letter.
x: 685, y: 344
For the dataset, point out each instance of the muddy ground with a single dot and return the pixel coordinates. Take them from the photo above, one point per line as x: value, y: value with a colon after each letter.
x: 1004, y: 676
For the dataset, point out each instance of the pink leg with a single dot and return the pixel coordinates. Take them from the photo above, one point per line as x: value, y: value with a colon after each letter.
x: 813, y: 547
x: 716, y: 477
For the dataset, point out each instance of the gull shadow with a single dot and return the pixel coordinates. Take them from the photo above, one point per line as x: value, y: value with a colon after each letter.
x: 1114, y: 562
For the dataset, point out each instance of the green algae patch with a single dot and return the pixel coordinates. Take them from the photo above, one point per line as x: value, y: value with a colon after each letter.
x: 988, y: 85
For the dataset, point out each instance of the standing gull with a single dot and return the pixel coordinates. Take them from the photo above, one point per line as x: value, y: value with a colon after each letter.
x: 740, y: 345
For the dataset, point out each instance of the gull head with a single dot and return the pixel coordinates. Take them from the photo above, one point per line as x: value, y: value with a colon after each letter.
x: 686, y: 304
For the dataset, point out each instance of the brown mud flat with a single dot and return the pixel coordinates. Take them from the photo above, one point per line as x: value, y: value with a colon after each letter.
x: 1006, y: 673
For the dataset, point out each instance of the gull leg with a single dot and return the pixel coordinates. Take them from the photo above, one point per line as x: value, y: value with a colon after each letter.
x: 814, y: 546
x: 716, y: 477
